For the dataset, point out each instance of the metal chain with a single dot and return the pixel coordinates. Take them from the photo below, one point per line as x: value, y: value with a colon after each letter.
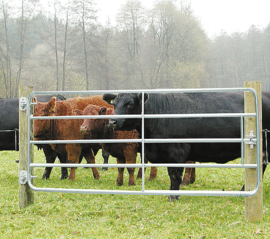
x: 266, y: 161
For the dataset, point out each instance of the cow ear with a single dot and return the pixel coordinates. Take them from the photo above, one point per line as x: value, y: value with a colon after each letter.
x: 103, y: 111
x: 109, y: 98
x: 34, y: 100
x: 51, y: 105
x: 77, y: 112
x: 146, y: 97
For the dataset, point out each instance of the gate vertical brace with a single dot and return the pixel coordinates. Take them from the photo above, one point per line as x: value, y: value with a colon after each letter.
x: 26, y: 194
x: 253, y: 205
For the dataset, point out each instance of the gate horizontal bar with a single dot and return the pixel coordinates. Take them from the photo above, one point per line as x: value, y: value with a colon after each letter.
x: 192, y: 90
x: 7, y: 131
x: 150, y: 192
x: 114, y: 141
x: 185, y: 165
x: 147, y: 116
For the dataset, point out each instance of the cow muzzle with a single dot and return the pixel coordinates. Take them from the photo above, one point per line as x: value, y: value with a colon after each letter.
x: 85, y: 131
x: 83, y: 128
x: 112, y: 123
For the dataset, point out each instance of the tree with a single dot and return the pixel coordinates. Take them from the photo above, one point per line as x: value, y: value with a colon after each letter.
x: 27, y: 12
x: 177, y: 40
x: 85, y: 16
x: 266, y: 56
x: 131, y: 21
x: 65, y: 45
x: 240, y: 57
x: 5, y: 51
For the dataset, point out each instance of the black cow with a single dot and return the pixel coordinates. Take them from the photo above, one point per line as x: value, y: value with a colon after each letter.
x: 9, y: 120
x: 180, y: 103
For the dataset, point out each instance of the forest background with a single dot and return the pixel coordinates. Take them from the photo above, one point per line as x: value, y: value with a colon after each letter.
x: 66, y: 47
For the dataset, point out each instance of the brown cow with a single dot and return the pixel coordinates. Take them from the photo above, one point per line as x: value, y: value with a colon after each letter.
x: 123, y: 152
x: 66, y: 129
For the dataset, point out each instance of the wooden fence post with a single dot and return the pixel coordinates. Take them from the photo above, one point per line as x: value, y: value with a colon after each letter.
x: 253, y: 205
x: 26, y: 195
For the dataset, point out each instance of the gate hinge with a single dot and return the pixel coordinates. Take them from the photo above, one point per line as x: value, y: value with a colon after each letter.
x: 23, y: 103
x: 252, y: 139
x: 23, y: 177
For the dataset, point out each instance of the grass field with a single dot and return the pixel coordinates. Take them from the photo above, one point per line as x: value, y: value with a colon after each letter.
x: 67, y: 215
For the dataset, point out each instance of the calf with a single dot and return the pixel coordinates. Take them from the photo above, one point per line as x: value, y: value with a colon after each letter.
x: 123, y: 152
x: 66, y: 129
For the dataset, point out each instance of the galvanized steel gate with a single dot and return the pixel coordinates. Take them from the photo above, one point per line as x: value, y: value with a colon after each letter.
x: 250, y: 140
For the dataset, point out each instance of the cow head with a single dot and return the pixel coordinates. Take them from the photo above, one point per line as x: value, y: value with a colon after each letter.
x: 42, y: 127
x: 94, y: 128
x: 125, y: 104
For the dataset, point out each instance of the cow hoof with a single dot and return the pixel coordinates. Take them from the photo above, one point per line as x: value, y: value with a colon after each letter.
x: 64, y: 177
x: 45, y: 177
x: 173, y: 198
x: 97, y: 177
x: 104, y: 169
x: 132, y: 183
x: 185, y: 183
x: 119, y: 183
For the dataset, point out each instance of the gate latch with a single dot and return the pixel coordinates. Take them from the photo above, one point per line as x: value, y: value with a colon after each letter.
x: 23, y: 177
x: 23, y: 103
x: 252, y: 139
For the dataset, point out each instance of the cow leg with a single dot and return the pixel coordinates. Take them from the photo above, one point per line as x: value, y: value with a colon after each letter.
x: 74, y: 152
x: 130, y: 154
x: 50, y: 155
x: 90, y: 158
x: 175, y: 175
x: 131, y: 181
x: 81, y: 158
x: 105, y: 156
x: 139, y: 175
x: 189, y: 176
x: 119, y: 180
x: 64, y: 170
x: 153, y: 172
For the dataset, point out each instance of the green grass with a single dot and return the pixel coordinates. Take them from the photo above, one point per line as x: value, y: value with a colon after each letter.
x: 67, y: 215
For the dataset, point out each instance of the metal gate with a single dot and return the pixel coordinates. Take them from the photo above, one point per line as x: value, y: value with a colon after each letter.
x: 250, y: 140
